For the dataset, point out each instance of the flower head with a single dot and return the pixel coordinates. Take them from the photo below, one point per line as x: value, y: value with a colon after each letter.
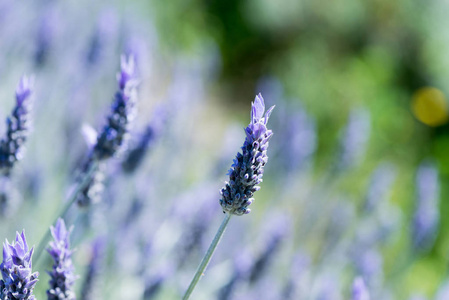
x: 247, y: 170
x: 115, y: 133
x: 18, y: 126
x: 17, y: 281
x: 62, y: 275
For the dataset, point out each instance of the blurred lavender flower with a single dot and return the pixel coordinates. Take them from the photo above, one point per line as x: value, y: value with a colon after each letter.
x: 106, y: 29
x: 276, y: 233
x: 242, y: 268
x: 302, y: 141
x: 136, y: 155
x: 193, y: 235
x: 296, y: 142
x: 355, y: 138
x: 17, y: 281
x: 327, y: 288
x: 341, y: 218
x: 18, y: 127
x: 426, y: 216
x: 297, y: 280
x: 369, y: 264
x: 380, y: 184
x: 247, y: 170
x: 90, y: 287
x: 154, y: 284
x: 47, y: 28
x: 62, y: 275
x: 115, y: 132
x: 359, y: 290
x: 8, y: 196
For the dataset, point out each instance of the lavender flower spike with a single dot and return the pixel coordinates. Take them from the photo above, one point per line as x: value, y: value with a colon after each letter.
x: 11, y: 146
x: 115, y: 132
x: 62, y: 275
x: 426, y: 217
x: 17, y: 281
x: 359, y: 290
x: 247, y: 170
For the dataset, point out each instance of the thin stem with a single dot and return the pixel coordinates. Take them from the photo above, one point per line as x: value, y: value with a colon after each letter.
x: 207, y: 257
x: 63, y: 212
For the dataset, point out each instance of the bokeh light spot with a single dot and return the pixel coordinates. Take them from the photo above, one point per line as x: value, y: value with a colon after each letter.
x: 429, y: 106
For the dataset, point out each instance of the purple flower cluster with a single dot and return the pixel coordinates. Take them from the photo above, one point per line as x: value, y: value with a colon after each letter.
x: 17, y: 281
x: 18, y: 126
x: 62, y: 275
x: 247, y: 170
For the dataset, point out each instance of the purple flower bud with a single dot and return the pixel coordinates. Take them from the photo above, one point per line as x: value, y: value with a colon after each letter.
x: 359, y: 290
x: 247, y: 164
x: 17, y: 281
x: 18, y: 126
x: 62, y: 275
x: 426, y: 217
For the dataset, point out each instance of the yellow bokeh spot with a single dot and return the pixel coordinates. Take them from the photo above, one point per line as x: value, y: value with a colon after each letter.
x: 429, y: 106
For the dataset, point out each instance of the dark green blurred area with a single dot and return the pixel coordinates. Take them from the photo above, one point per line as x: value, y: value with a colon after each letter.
x: 334, y: 56
x: 330, y: 55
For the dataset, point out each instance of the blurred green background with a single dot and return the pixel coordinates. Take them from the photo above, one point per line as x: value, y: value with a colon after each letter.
x: 388, y: 56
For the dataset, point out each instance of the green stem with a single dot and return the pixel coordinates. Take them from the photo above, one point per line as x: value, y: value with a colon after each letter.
x: 207, y: 257
x: 62, y: 213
